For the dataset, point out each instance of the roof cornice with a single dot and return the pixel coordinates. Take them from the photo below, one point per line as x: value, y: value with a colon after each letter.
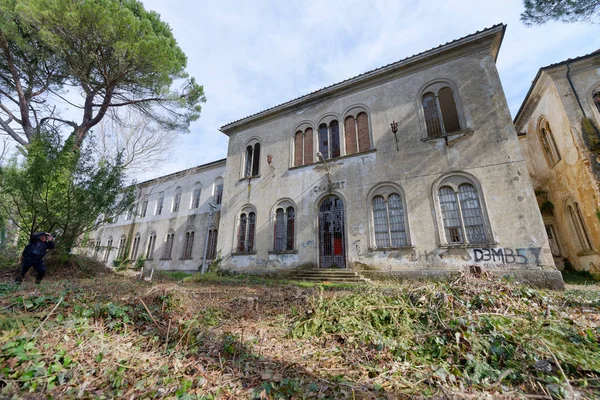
x: 177, y: 174
x: 494, y: 33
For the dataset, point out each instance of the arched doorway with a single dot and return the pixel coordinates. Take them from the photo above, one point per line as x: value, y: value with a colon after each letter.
x: 332, y: 243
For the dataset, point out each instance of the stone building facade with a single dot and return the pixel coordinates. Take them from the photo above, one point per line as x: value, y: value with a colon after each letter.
x: 557, y: 127
x: 323, y: 181
x: 171, y: 223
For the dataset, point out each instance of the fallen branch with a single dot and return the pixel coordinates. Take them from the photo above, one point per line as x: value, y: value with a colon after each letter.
x: 149, y: 313
x: 46, y: 319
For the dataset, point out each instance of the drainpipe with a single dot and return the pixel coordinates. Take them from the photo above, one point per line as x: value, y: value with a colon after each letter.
x: 574, y: 91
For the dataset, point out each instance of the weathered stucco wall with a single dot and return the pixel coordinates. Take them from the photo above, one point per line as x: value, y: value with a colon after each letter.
x: 187, y: 217
x: 487, y: 151
x: 572, y: 178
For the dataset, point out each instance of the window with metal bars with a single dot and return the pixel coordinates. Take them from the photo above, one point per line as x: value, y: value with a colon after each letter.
x: 284, y: 229
x: 211, y: 252
x: 135, y: 247
x: 389, y: 221
x: 168, y: 248
x: 440, y: 110
x: 462, y: 215
x: 121, y: 252
x: 579, y: 226
x: 549, y: 145
x: 246, y: 231
x: 188, y: 245
x: 150, y: 248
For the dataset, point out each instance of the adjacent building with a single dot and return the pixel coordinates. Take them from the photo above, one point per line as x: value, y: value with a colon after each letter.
x: 173, y: 224
x: 413, y: 170
x: 558, y: 133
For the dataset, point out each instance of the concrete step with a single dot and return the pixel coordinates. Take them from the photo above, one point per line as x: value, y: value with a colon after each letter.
x: 329, y: 275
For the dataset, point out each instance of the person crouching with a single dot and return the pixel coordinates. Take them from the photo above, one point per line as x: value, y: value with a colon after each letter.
x: 33, y: 255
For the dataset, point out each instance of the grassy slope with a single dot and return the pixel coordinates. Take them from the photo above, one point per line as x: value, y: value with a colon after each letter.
x: 208, y: 338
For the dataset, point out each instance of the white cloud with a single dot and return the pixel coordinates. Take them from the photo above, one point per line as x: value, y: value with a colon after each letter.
x: 252, y: 55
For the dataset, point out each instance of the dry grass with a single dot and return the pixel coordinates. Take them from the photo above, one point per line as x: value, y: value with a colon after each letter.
x: 117, y: 337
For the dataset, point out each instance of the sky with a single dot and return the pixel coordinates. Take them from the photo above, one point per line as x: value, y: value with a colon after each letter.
x: 252, y: 55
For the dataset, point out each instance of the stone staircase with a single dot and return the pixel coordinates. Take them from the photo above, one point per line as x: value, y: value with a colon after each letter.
x: 333, y: 275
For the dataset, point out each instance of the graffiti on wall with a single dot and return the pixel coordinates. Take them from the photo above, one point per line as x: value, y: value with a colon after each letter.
x: 505, y: 255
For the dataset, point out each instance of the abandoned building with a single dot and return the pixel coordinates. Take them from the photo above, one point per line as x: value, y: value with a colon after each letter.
x: 413, y: 170
x: 173, y: 224
x: 557, y: 127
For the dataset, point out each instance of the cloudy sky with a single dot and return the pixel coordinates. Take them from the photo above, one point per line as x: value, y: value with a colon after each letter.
x: 251, y: 55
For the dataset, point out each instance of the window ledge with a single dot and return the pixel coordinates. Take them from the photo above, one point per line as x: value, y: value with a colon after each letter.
x: 449, y: 135
x: 186, y: 258
x: 245, y: 253
x: 284, y: 252
x: 164, y: 259
x: 249, y: 178
x: 332, y: 160
x: 408, y: 247
x: 584, y: 253
x: 467, y: 245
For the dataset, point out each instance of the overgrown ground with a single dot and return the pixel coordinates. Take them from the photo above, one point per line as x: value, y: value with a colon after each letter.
x: 230, y: 338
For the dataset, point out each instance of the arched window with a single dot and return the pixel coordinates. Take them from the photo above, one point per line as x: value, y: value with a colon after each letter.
x: 211, y: 252
x: 548, y: 143
x: 160, y: 203
x: 303, y: 147
x: 283, y: 229
x: 389, y: 217
x: 188, y: 245
x: 356, y: 131
x: 252, y: 161
x: 144, y: 206
x: 151, y: 244
x: 596, y: 98
x: 168, y: 248
x: 109, y: 244
x: 177, y: 199
x: 135, y: 246
x: 461, y: 211
x: 97, y: 247
x: 121, y: 253
x: 440, y: 110
x: 246, y: 231
x: 218, y: 191
x: 329, y: 139
x: 196, y: 196
x: 578, y: 225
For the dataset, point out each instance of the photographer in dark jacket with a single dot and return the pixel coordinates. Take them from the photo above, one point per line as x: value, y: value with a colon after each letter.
x: 33, y: 255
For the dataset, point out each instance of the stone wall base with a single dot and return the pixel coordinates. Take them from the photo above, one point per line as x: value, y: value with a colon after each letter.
x: 547, y: 279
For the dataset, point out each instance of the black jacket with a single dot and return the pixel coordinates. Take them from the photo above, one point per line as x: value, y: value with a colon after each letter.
x: 35, y: 252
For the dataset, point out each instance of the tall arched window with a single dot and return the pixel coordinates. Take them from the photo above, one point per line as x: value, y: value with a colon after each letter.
x: 135, y: 247
x: 151, y: 244
x: 160, y: 203
x: 283, y: 230
x: 548, y: 143
x: 176, y: 199
x: 196, y: 195
x: 97, y: 247
x: 303, y: 146
x: 578, y: 226
x: 144, y: 206
x: 121, y: 253
x: 168, y: 248
x: 188, y: 245
x: 218, y: 191
x: 462, y: 215
x: 389, y: 217
x: 246, y: 231
x: 329, y: 139
x: 109, y: 244
x: 252, y: 161
x: 356, y: 131
x: 211, y: 252
x: 440, y: 110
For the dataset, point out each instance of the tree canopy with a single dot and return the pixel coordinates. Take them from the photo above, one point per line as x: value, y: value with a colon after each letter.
x: 96, y: 56
x: 539, y: 12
